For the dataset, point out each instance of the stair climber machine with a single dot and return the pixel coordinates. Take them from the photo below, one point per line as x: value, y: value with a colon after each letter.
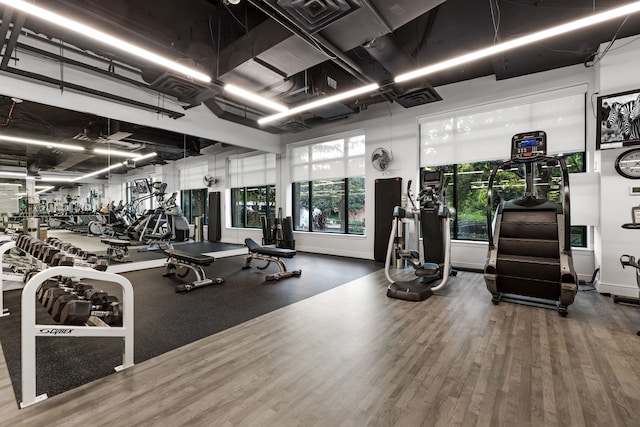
x: 432, y: 217
x: 529, y: 259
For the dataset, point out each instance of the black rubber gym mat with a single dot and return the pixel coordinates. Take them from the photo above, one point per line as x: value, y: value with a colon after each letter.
x: 165, y: 320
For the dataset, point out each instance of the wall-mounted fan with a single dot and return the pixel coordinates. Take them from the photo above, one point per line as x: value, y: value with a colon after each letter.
x: 381, y: 158
x: 209, y: 180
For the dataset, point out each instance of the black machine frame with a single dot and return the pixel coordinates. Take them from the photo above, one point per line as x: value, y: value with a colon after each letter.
x: 505, y: 282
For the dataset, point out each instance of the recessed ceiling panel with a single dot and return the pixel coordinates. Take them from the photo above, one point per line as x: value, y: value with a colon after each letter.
x: 314, y: 15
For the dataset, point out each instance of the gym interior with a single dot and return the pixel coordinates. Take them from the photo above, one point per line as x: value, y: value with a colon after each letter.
x: 250, y: 212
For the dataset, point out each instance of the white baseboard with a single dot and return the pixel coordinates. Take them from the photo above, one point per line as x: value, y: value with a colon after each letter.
x: 616, y: 289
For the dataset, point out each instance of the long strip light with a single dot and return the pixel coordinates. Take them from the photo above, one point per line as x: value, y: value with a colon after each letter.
x: 13, y: 174
x: 117, y: 153
x: 41, y: 143
x: 522, y: 41
x: 98, y: 172
x: 320, y: 102
x: 45, y: 189
x: 252, y: 97
x: 92, y: 33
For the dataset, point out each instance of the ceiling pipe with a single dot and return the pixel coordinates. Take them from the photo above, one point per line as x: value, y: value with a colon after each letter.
x: 91, y: 91
x: 14, y: 101
x: 317, y: 42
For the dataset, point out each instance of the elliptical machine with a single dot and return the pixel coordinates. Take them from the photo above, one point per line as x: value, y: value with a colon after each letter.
x: 432, y: 217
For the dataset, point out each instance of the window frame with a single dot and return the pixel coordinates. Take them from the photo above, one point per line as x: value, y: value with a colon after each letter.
x: 347, y: 227
x: 270, y: 207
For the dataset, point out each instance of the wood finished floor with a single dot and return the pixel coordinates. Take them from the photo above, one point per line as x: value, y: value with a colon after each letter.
x: 353, y: 357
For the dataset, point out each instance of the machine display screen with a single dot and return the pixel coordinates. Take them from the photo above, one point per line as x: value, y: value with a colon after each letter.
x: 431, y: 178
x: 526, y: 146
x: 527, y: 143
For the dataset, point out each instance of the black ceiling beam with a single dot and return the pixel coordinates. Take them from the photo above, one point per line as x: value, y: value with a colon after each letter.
x: 7, y: 15
x: 11, y: 44
x: 79, y: 64
x: 98, y: 93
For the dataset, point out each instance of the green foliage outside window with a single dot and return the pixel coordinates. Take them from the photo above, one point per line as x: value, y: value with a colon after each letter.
x: 251, y: 203
x: 330, y: 205
x: 467, y: 192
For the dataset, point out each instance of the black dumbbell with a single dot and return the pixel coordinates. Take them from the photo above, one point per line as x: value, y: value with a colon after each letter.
x: 101, y: 265
x: 59, y: 304
x: 43, y: 288
x: 51, y: 296
x: 78, y: 312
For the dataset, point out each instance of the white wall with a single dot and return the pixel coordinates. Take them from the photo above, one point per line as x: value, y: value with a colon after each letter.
x: 617, y: 73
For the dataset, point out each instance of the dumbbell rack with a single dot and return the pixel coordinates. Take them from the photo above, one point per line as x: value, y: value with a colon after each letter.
x: 4, y: 247
x: 31, y: 330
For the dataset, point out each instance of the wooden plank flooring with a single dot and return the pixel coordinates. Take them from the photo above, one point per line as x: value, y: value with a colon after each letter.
x: 353, y: 357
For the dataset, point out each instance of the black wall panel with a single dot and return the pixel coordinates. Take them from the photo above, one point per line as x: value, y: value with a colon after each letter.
x: 388, y: 193
x: 215, y: 217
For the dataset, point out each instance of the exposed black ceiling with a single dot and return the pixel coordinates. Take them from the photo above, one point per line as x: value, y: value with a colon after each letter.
x: 291, y: 51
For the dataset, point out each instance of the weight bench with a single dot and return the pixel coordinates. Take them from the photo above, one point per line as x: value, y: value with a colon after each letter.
x: 118, y: 250
x: 270, y: 254
x: 178, y: 259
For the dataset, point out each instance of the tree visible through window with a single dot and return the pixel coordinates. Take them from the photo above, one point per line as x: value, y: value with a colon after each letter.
x: 328, y: 185
x: 251, y: 203
x: 467, y: 192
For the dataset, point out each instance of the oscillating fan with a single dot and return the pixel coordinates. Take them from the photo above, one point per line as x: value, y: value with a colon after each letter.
x: 209, y: 180
x: 381, y: 158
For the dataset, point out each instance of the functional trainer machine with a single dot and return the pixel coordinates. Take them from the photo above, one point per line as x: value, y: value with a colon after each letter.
x: 432, y: 217
x: 529, y: 258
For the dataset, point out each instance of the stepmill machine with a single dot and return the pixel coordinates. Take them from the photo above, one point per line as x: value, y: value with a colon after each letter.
x: 432, y: 218
x: 529, y: 258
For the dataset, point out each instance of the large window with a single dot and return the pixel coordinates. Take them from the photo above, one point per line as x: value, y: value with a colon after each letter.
x: 328, y: 185
x: 194, y: 204
x: 251, y: 203
x: 467, y: 193
x: 253, y: 191
x: 472, y: 140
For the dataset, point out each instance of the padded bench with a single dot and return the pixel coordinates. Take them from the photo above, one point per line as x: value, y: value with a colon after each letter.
x: 118, y: 249
x: 190, y: 261
x: 270, y: 254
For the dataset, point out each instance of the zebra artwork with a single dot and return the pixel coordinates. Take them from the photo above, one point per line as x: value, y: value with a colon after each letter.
x: 625, y: 117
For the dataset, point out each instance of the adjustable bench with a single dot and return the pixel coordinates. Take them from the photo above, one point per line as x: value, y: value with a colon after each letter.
x: 190, y: 261
x: 118, y: 250
x: 270, y: 255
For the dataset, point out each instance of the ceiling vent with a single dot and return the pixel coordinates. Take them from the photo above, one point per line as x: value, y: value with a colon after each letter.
x: 178, y: 87
x: 314, y: 15
x: 294, y: 126
x: 418, y: 97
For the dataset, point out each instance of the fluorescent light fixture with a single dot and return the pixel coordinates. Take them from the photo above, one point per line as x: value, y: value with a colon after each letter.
x: 92, y: 33
x: 321, y: 102
x: 114, y: 166
x: 55, y: 179
x: 98, y: 172
x: 118, y: 153
x: 41, y: 143
x: 522, y: 41
x: 146, y: 156
x: 249, y: 96
x: 44, y: 190
x: 13, y: 174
